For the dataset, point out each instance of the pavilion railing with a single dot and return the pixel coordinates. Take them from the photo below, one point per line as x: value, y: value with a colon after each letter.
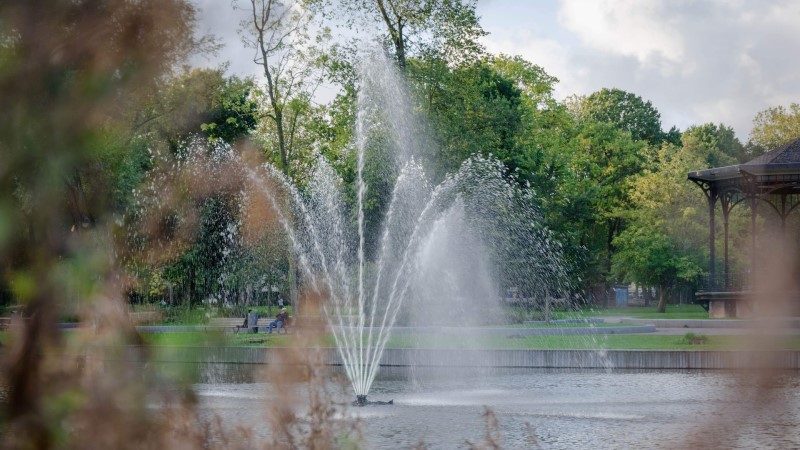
x: 725, y: 282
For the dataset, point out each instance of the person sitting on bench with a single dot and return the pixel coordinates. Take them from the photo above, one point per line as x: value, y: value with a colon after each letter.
x: 250, y: 322
x: 279, y: 321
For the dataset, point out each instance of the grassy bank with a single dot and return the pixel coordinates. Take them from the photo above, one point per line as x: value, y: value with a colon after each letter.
x: 638, y: 312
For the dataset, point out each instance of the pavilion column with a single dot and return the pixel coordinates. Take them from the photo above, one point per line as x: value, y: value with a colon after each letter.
x: 725, y: 213
x: 712, y: 202
x: 783, y: 217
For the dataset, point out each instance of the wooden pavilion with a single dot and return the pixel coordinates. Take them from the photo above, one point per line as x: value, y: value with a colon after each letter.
x: 768, y: 185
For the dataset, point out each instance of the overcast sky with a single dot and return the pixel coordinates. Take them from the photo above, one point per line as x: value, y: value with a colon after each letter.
x: 697, y: 61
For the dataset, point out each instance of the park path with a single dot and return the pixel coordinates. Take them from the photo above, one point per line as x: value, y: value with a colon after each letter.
x: 715, y: 327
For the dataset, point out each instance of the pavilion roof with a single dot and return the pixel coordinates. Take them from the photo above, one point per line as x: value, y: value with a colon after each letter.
x: 783, y: 160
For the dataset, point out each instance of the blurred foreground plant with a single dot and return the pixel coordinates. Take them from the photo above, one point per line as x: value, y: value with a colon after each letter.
x: 71, y: 71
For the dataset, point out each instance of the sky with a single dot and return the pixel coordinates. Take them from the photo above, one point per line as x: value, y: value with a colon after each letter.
x: 697, y: 61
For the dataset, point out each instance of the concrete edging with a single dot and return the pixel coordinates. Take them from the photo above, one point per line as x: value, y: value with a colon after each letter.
x: 578, y: 359
x: 717, y: 323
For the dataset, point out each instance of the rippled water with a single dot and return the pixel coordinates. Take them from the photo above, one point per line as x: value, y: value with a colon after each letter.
x: 558, y: 409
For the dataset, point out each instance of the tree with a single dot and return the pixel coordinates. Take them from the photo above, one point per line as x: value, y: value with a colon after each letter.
x: 546, y: 127
x: 120, y: 26
x: 445, y: 29
x: 664, y: 244
x: 776, y: 126
x: 646, y: 256
x: 233, y: 110
x: 278, y: 31
x: 307, y: 132
x: 603, y: 159
x: 199, y: 101
x: 723, y: 147
x: 626, y: 111
x: 473, y: 110
x: 69, y: 72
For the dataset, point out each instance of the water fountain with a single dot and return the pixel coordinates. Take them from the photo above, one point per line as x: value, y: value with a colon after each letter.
x: 438, y: 256
x: 471, y: 230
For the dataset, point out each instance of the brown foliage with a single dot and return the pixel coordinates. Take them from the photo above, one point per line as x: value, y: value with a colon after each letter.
x: 68, y: 69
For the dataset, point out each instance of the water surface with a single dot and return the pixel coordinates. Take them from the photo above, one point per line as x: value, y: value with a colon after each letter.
x: 445, y: 408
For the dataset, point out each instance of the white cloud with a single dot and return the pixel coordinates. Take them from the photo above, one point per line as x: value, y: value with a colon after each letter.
x: 222, y: 20
x: 634, y: 28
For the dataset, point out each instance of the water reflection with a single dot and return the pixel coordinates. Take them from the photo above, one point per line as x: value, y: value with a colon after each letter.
x: 548, y: 408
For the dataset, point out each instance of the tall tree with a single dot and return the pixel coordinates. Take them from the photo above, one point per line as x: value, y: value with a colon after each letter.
x: 448, y: 29
x: 626, y: 111
x: 663, y: 244
x: 198, y: 102
x: 601, y: 163
x: 278, y: 31
x: 721, y: 142
x: 473, y: 109
x: 538, y: 157
x: 776, y: 126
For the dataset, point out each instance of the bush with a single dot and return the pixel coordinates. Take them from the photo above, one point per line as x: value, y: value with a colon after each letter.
x: 183, y: 315
x: 694, y: 339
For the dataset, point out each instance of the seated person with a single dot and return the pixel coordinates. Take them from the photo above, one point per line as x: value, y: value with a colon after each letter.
x: 250, y: 321
x: 279, y: 321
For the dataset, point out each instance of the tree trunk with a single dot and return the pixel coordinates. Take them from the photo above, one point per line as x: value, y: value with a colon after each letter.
x: 662, y: 300
x: 395, y: 32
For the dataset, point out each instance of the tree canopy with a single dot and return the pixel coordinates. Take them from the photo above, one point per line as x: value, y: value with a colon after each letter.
x: 776, y: 126
x: 626, y: 111
x: 608, y: 179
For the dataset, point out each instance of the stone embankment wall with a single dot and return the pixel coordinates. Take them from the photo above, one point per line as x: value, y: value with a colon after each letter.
x: 578, y: 359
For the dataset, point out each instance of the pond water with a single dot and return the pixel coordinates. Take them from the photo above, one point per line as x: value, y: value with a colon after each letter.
x: 535, y: 408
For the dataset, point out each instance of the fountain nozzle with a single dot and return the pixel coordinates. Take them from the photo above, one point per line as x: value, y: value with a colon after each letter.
x: 361, y: 400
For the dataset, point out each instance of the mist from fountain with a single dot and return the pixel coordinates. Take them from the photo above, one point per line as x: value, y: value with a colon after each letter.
x: 443, y: 251
x: 443, y: 245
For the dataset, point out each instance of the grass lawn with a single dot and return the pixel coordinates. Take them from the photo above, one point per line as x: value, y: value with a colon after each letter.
x: 638, y: 312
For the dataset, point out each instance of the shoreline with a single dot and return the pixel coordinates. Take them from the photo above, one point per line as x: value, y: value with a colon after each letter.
x: 501, y: 358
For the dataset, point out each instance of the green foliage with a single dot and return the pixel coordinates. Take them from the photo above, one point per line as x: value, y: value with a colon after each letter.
x: 222, y: 108
x: 473, y: 110
x: 441, y: 29
x: 723, y: 147
x: 776, y: 126
x: 233, y: 111
x: 626, y: 111
x: 647, y: 257
x: 601, y: 161
x: 538, y: 156
x: 305, y: 133
x: 664, y: 242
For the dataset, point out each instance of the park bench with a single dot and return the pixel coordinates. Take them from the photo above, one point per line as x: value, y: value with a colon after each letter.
x: 227, y: 323
x: 236, y: 324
